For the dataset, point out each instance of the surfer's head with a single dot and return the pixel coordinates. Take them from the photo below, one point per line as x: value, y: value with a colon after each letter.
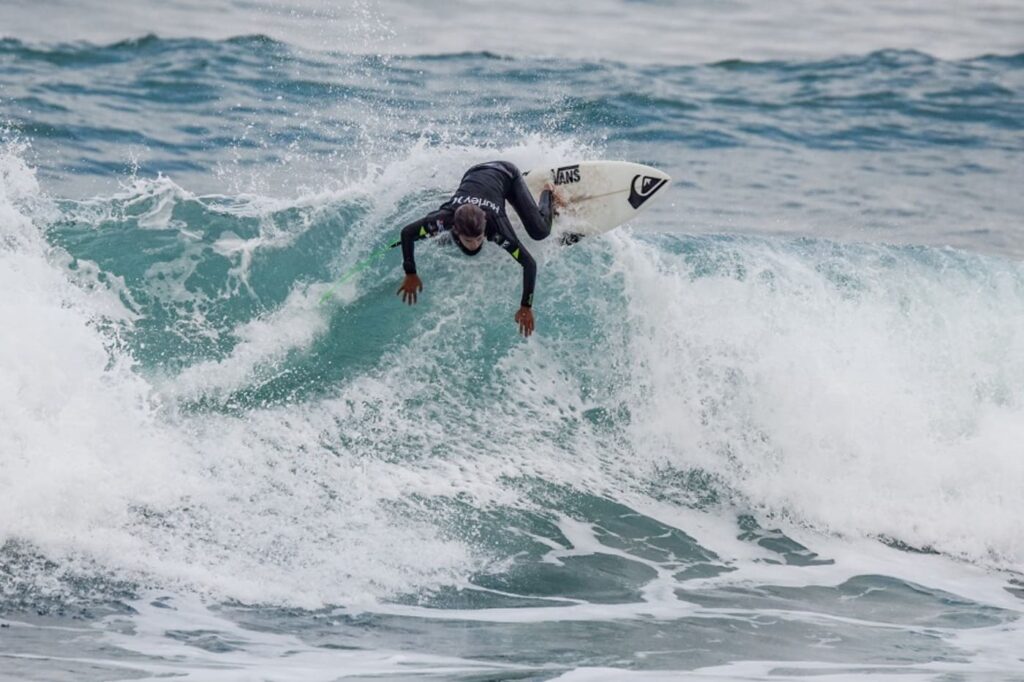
x: 469, y: 226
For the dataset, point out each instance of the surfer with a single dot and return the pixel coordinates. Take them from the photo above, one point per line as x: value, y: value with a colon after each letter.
x: 475, y: 214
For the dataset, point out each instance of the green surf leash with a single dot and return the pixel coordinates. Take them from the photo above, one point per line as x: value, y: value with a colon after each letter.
x: 357, y: 268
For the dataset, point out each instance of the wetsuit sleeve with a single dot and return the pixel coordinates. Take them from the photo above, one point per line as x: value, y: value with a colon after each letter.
x: 523, y: 257
x: 427, y: 226
x: 536, y: 216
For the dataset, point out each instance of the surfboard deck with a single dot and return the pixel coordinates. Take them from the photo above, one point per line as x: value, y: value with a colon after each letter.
x: 599, y: 195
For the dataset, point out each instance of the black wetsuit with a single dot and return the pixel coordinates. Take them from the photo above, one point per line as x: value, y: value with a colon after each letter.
x: 488, y: 186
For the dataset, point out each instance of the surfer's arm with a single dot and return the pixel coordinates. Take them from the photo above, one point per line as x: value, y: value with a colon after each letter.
x: 523, y: 257
x: 524, y: 316
x: 536, y: 216
x: 425, y: 227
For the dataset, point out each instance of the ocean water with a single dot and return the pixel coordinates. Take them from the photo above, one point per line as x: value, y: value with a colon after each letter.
x: 771, y: 430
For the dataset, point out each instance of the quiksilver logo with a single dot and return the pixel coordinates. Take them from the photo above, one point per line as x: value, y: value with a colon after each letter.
x: 567, y: 174
x: 643, y: 188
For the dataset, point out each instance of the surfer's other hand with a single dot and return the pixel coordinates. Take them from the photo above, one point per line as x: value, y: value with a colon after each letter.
x: 525, y: 319
x: 556, y: 196
x: 410, y: 285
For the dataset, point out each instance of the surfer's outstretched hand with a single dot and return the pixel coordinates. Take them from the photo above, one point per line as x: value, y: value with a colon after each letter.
x: 525, y: 319
x: 410, y: 286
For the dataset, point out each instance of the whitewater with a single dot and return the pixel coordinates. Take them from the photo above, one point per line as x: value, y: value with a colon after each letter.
x: 770, y: 430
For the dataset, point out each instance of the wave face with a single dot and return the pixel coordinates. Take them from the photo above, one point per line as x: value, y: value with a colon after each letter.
x: 784, y: 409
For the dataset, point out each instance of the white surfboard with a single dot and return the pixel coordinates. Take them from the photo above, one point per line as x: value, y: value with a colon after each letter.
x: 599, y: 195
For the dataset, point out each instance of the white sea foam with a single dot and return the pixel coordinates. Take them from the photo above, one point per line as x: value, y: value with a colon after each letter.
x: 98, y: 477
x: 62, y: 390
x: 867, y: 393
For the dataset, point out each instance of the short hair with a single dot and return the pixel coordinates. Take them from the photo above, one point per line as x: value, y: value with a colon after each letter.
x: 470, y: 221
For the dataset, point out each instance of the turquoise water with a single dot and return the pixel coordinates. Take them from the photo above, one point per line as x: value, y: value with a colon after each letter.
x: 771, y: 430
